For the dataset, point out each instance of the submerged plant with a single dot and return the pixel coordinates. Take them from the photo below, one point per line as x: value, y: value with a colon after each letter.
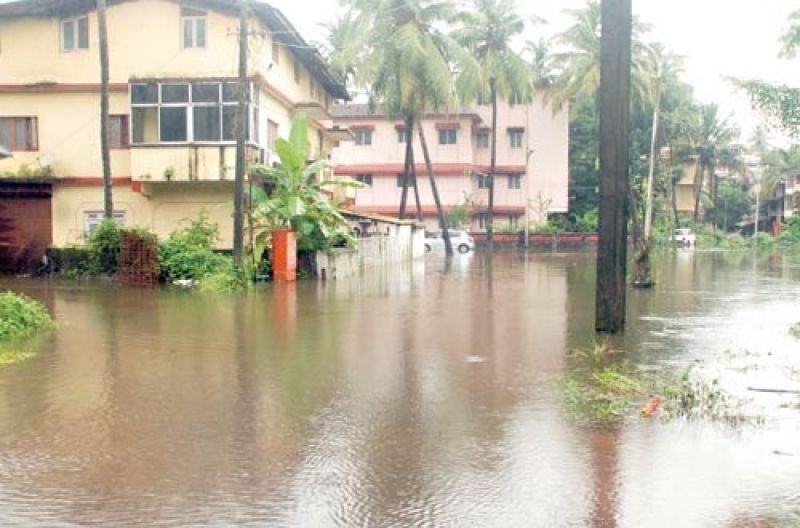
x: 21, y: 316
x: 601, y: 391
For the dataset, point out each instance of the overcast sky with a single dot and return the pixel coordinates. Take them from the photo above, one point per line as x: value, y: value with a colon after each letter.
x: 718, y: 38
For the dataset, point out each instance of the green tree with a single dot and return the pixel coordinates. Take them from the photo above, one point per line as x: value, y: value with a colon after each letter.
x: 404, y: 61
x: 735, y: 202
x: 487, y: 30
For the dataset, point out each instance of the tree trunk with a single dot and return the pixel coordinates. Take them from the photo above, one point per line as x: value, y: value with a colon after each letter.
x: 651, y: 174
x: 492, y: 164
x: 407, y: 167
x: 448, y: 245
x: 415, y: 184
x: 614, y: 96
x: 102, y: 30
x: 698, y: 178
x: 241, y: 133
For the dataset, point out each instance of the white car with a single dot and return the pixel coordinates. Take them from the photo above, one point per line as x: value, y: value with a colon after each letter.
x: 684, y: 237
x: 460, y: 240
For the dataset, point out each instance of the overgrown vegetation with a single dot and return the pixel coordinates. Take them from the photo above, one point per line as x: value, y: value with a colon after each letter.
x: 103, y: 245
x: 21, y: 316
x: 27, y: 172
x: 601, y: 390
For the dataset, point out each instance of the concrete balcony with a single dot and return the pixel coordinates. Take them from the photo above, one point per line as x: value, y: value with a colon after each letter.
x: 182, y: 163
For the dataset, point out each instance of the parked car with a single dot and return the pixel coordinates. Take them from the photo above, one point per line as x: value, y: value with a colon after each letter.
x: 683, y: 236
x: 460, y: 240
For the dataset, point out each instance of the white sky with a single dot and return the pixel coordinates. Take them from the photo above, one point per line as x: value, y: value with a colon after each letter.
x: 718, y: 38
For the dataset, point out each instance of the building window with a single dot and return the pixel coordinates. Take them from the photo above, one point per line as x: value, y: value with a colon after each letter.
x: 401, y: 178
x: 92, y: 219
x: 193, y: 27
x: 276, y: 52
x: 401, y: 135
x: 483, y: 181
x: 448, y: 136
x: 75, y: 33
x: 514, y: 181
x: 296, y: 72
x: 364, y: 179
x: 483, y: 140
x: 483, y: 220
x: 203, y: 112
x: 118, y: 132
x: 515, y: 135
x: 272, y: 133
x: 18, y: 133
x: 363, y: 137
x: 513, y: 221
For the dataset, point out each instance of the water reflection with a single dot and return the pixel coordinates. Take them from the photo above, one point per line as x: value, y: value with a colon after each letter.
x: 410, y: 397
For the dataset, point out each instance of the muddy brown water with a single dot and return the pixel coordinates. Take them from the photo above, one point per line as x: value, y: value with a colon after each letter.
x: 424, y: 396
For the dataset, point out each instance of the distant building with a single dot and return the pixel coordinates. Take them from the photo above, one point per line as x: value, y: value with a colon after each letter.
x: 532, y: 161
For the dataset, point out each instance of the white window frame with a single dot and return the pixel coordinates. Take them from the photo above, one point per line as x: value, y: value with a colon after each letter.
x: 515, y: 137
x: 483, y: 180
x: 195, y: 21
x: 515, y: 181
x: 253, y: 111
x: 92, y: 219
x: 74, y: 23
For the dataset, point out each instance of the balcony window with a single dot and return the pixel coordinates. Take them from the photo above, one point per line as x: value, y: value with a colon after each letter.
x: 448, y: 136
x: 193, y: 27
x: 514, y: 181
x: 202, y: 112
x: 483, y: 140
x: 75, y: 34
x: 18, y: 133
x: 483, y: 181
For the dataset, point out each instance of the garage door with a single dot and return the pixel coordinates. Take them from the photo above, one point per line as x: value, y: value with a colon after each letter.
x: 26, y: 225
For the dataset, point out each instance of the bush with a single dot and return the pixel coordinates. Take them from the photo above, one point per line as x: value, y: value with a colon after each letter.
x: 103, y: 246
x: 188, y: 253
x: 791, y: 232
x: 21, y: 316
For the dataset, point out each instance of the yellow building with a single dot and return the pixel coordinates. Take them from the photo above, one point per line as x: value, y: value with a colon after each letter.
x: 173, y: 70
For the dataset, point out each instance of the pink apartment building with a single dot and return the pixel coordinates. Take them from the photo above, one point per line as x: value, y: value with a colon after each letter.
x: 532, y: 161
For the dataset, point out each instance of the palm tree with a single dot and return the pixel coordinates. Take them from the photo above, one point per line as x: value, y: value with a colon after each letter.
x: 337, y: 48
x: 663, y: 67
x: 711, y: 136
x: 487, y: 31
x: 402, y: 59
x: 578, y: 62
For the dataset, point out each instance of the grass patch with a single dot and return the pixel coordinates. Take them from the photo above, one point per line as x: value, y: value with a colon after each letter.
x: 21, y: 316
x: 602, y: 391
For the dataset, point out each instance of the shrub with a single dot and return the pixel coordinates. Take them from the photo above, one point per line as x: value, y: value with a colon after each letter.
x: 188, y: 253
x: 21, y: 316
x: 103, y: 246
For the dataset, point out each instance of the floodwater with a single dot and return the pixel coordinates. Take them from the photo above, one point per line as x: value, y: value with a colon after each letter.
x: 427, y: 396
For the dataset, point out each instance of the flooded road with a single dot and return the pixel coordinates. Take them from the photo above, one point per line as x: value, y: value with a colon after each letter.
x: 427, y: 396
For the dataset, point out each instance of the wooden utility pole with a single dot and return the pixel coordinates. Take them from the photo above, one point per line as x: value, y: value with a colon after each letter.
x: 614, y: 114
x: 241, y: 137
x: 102, y: 32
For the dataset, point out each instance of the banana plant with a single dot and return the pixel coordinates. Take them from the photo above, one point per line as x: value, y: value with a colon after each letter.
x: 297, y: 200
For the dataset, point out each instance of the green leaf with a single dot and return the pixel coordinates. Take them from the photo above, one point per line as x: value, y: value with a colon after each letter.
x: 295, y: 206
x: 298, y: 137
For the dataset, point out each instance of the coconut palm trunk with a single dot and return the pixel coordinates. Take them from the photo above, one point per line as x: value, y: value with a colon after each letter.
x: 416, y: 185
x: 492, y: 164
x: 614, y: 97
x: 699, y: 180
x: 407, y: 167
x: 651, y: 174
x: 448, y: 245
x: 102, y: 30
